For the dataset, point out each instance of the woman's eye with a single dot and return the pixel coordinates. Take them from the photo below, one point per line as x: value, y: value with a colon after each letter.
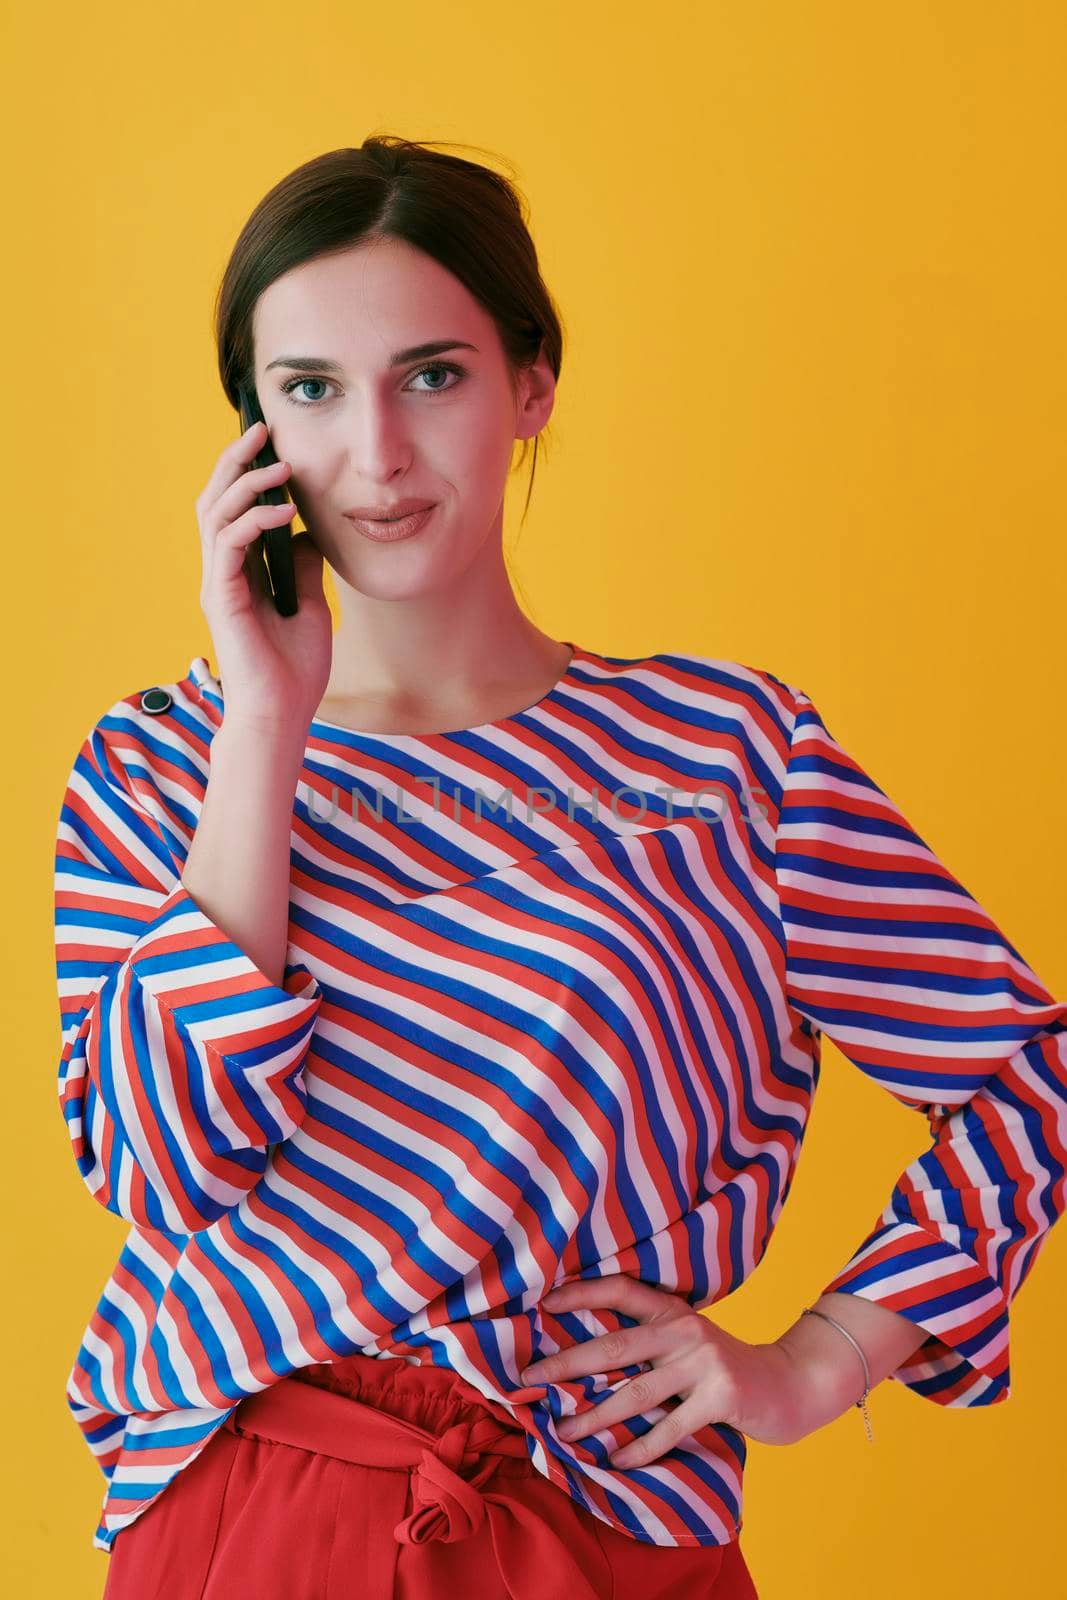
x: 295, y: 383
x: 441, y: 366
x: 445, y: 367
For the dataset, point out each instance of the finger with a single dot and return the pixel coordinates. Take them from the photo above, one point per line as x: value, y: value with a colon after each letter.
x: 608, y: 1352
x: 232, y: 463
x: 255, y: 570
x: 228, y: 552
x: 245, y: 489
x: 629, y: 1400
x: 234, y: 488
x: 687, y: 1418
x: 638, y: 1299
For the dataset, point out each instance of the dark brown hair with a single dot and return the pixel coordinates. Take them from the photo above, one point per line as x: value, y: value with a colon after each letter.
x: 466, y: 216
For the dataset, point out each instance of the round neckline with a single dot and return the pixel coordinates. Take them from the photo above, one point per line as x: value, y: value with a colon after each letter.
x: 337, y: 732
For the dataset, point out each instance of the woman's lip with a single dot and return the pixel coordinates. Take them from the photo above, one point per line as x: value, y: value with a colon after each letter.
x: 386, y: 532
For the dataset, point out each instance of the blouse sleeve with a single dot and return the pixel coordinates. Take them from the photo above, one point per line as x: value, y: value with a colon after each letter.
x: 181, y: 1061
x: 888, y: 954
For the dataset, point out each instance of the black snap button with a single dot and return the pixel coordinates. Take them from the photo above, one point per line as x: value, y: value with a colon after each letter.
x: 156, y: 700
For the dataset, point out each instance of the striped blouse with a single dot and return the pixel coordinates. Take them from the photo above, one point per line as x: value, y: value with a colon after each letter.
x: 552, y: 1008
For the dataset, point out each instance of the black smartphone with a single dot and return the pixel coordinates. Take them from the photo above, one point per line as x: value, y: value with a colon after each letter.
x: 274, y: 546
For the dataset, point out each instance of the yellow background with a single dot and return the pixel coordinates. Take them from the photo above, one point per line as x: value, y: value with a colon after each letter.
x: 810, y: 258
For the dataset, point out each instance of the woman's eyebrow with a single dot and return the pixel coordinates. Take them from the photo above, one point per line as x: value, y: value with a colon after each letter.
x: 416, y: 352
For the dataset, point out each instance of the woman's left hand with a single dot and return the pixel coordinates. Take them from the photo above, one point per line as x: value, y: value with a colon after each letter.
x: 752, y: 1387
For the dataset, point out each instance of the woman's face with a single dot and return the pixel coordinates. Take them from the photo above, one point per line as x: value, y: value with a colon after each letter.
x: 370, y: 433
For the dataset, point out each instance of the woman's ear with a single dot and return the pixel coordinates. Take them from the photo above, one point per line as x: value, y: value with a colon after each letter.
x: 536, y: 397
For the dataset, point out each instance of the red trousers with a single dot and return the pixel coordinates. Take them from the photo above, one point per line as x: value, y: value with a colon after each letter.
x: 419, y: 1488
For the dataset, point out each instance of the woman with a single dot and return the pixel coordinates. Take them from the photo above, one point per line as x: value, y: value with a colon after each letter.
x: 442, y: 1002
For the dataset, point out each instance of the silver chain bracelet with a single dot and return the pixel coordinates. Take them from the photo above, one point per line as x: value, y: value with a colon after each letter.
x: 810, y: 1311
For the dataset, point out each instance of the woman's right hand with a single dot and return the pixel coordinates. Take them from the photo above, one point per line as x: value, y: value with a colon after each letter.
x: 274, y: 669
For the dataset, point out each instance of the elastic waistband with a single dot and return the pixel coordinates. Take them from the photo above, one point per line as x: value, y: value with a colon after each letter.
x: 423, y: 1393
x: 336, y: 1425
x: 448, y: 1469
